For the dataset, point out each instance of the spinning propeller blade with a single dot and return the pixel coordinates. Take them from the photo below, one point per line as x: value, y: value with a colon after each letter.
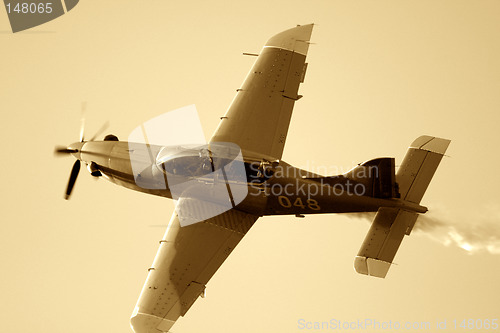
x: 72, y: 178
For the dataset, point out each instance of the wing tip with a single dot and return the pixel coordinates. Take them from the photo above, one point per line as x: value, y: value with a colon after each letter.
x: 371, y: 267
x: 431, y: 143
x: 148, y: 323
x: 295, y: 39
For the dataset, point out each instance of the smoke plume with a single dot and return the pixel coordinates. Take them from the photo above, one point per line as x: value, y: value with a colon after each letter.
x: 474, y: 233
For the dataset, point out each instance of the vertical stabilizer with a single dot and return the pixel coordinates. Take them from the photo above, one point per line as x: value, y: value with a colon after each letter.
x: 419, y: 165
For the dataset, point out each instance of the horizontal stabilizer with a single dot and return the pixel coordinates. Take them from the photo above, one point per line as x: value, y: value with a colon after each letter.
x: 382, y: 241
x: 392, y: 224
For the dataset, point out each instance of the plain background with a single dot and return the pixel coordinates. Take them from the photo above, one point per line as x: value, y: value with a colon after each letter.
x: 380, y: 74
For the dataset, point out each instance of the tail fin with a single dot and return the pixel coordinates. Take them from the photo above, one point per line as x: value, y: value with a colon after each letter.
x: 419, y: 165
x: 391, y: 224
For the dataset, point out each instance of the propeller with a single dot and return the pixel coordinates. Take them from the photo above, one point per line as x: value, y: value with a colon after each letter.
x: 74, y: 171
x: 82, y: 121
x: 61, y: 150
x: 72, y: 178
x: 100, y: 131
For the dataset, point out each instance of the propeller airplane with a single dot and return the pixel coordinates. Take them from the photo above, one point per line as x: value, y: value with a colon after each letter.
x: 223, y: 187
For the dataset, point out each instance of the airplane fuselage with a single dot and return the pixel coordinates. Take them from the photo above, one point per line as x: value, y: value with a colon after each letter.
x: 274, y: 187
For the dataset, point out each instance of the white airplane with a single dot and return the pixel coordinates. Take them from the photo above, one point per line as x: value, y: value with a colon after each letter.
x: 210, y: 222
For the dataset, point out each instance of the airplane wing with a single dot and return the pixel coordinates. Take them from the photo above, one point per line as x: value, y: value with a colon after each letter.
x: 186, y: 260
x: 257, y: 120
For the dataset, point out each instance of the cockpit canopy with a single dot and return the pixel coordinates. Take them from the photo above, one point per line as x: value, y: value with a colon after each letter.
x: 197, y: 161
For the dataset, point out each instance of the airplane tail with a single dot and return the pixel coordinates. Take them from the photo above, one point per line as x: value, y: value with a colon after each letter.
x: 391, y: 224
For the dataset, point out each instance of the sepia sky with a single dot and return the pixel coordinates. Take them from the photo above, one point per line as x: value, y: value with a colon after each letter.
x: 380, y: 74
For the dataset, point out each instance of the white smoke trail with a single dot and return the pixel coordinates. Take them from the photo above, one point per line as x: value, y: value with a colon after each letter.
x: 474, y: 233
x: 477, y: 233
